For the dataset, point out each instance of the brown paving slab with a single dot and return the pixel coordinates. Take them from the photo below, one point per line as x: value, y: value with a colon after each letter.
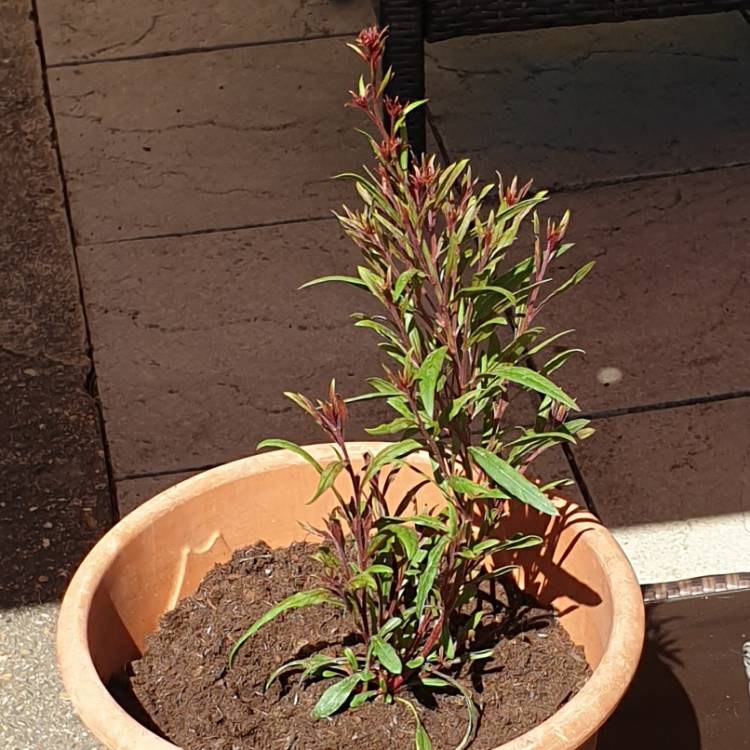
x: 54, y: 501
x: 197, y: 337
x: 668, y: 301
x: 53, y: 485
x: 81, y: 30
x: 40, y: 310
x: 598, y: 102
x: 691, y: 691
x: 670, y: 465
x: 211, y: 140
x: 132, y: 493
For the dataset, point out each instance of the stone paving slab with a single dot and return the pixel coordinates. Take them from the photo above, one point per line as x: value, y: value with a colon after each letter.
x: 35, y: 711
x: 597, y: 102
x: 197, y: 337
x: 77, y: 30
x: 253, y: 139
x: 679, y: 480
x: 54, y: 499
x: 40, y: 311
x: 132, y: 493
x: 665, y: 309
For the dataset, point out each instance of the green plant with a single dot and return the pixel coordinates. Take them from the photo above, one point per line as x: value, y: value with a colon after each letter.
x: 458, y: 325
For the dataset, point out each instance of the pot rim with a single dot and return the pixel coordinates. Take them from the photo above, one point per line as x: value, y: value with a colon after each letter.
x: 104, y: 717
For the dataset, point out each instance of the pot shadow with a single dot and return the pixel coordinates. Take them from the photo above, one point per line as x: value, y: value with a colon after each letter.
x: 546, y: 577
x: 656, y: 712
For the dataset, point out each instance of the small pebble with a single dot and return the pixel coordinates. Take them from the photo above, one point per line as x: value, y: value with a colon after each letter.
x: 609, y: 375
x: 47, y: 525
x: 42, y: 579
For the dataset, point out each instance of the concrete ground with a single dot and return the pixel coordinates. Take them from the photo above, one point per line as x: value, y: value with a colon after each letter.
x: 164, y: 190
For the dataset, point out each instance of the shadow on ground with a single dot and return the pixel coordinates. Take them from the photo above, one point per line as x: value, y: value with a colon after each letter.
x: 54, y: 495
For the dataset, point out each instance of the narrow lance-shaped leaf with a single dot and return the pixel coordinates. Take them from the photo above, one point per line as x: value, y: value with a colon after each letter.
x: 428, y: 375
x: 351, y: 280
x: 301, y: 599
x: 465, y: 486
x: 427, y: 579
x: 511, y: 480
x: 531, y: 379
x: 293, y: 447
x: 388, y: 455
x: 421, y: 738
x: 327, y: 479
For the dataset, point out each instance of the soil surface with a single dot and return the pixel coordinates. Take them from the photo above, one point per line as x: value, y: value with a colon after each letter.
x: 182, y: 685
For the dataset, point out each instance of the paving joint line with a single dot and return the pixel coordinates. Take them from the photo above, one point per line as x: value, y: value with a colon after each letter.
x: 209, y: 230
x: 580, y: 187
x: 666, y: 405
x: 181, y: 51
x: 167, y: 472
x: 91, y: 385
x: 442, y: 148
x: 580, y: 480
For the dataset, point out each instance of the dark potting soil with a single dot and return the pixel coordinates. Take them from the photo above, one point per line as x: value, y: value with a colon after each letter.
x: 183, y: 687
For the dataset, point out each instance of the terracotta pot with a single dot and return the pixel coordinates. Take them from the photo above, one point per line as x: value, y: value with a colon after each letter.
x: 160, y: 553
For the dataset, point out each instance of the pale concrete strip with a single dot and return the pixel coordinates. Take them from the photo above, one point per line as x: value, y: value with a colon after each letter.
x: 35, y: 712
x: 676, y: 550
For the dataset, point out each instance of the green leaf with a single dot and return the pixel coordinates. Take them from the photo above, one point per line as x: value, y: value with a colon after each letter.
x: 427, y: 375
x: 465, y: 486
x: 531, y: 379
x: 471, y: 708
x: 497, y: 291
x: 293, y: 447
x: 335, y: 696
x: 364, y: 397
x: 413, y: 105
x: 389, y: 626
x: 421, y: 738
x: 327, y: 479
x: 388, y: 455
x: 403, y: 280
x: 416, y: 662
x: 386, y: 655
x: 575, y: 279
x: 352, y: 280
x: 558, y: 360
x: 431, y: 569
x: 487, y: 653
x: 461, y: 402
x: 361, y: 698
x: 512, y: 481
x: 406, y: 537
x: 520, y: 541
x: 429, y: 522
x: 397, y: 425
x: 301, y: 599
x: 310, y: 665
x: 434, y: 682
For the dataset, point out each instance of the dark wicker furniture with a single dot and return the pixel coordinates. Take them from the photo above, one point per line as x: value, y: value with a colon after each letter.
x: 412, y: 22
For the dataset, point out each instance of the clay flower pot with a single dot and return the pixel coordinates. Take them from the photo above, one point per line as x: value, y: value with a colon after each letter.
x: 161, y: 552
